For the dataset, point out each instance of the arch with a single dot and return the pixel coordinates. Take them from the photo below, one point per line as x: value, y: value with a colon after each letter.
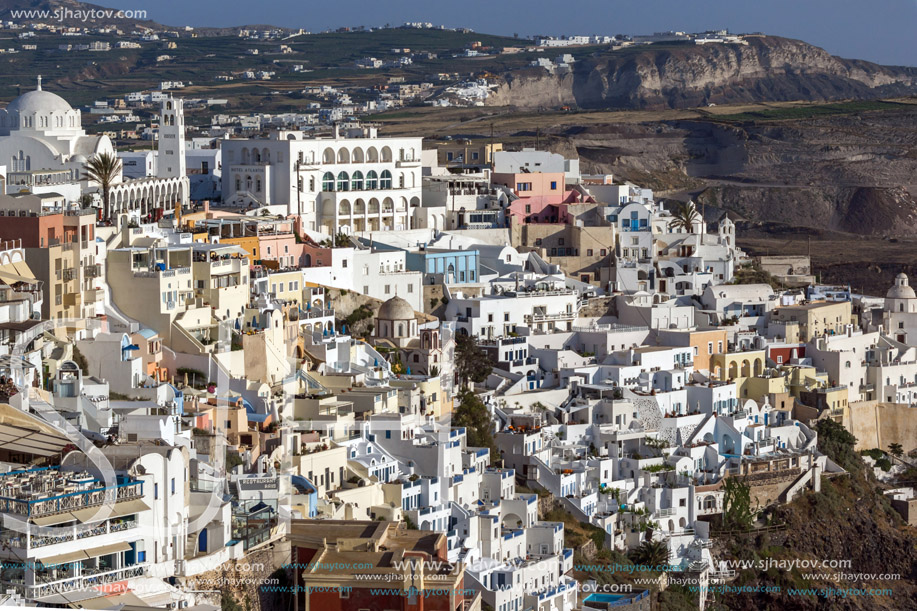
x: 246, y: 156
x: 344, y: 208
x: 733, y: 370
x: 343, y: 156
x: 356, y: 181
x: 372, y: 180
x: 328, y: 182
x: 358, y: 156
x: 328, y: 155
x: 265, y: 155
x: 415, y: 202
x: 746, y: 368
x: 388, y: 205
x: 359, y: 207
x: 343, y: 182
x: 374, y: 206
x: 385, y: 179
x: 759, y: 367
x: 386, y: 154
x: 372, y: 155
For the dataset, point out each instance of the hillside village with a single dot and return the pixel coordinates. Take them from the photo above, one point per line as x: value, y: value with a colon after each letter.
x: 382, y: 368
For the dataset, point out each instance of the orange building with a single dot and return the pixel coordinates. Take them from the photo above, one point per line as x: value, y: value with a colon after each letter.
x: 705, y: 343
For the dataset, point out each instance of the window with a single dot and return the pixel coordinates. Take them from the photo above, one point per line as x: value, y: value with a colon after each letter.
x: 356, y: 181
x: 554, y: 185
x: 343, y: 182
x: 372, y: 180
x: 388, y: 289
x: 155, y: 491
x: 528, y: 209
x: 328, y: 182
x: 385, y: 181
x: 709, y: 347
x: 603, y: 252
x: 560, y: 242
x: 635, y: 241
x: 588, y: 252
x: 344, y: 263
x: 410, y: 288
x: 506, y: 317
x: 173, y: 485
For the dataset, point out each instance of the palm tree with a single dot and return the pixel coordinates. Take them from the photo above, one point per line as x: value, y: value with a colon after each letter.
x: 896, y: 449
x: 684, y: 217
x: 652, y: 553
x: 103, y: 169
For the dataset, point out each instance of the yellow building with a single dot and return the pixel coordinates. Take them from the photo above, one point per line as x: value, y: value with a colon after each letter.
x: 816, y: 319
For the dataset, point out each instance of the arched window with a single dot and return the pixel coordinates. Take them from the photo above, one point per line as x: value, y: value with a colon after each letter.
x: 343, y: 181
x: 385, y: 182
x: 328, y: 182
x: 356, y: 181
x: 372, y: 180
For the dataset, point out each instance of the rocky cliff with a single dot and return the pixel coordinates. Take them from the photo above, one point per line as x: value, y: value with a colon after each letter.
x: 768, y: 68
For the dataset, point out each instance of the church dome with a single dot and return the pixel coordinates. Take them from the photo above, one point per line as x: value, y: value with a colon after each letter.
x: 40, y: 102
x: 901, y: 290
x: 396, y: 308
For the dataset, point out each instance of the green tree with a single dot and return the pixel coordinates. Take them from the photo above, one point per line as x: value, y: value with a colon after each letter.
x: 837, y: 443
x: 684, y: 216
x: 896, y: 449
x: 737, y: 511
x: 471, y: 362
x: 103, y: 169
x: 653, y: 554
x: 475, y: 417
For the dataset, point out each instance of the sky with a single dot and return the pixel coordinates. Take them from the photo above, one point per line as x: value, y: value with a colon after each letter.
x: 876, y: 30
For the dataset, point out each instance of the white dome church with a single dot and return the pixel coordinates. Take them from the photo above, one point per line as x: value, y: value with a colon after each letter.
x: 39, y: 130
x: 901, y: 297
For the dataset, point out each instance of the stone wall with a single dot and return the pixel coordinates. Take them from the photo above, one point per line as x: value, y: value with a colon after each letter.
x: 250, y: 580
x: 878, y: 425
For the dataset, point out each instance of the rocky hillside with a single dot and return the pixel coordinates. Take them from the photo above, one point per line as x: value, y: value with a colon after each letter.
x: 685, y: 75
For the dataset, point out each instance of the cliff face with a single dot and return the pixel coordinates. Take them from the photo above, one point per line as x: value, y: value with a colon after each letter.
x: 767, y: 69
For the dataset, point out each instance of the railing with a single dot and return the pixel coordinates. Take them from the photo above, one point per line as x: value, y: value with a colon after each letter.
x: 72, y: 501
x: 87, y: 581
x: 558, y: 316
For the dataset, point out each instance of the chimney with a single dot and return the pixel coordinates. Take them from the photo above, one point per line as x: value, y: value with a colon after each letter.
x: 206, y: 205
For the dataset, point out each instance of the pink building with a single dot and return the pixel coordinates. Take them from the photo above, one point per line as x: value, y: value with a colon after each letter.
x: 543, y: 197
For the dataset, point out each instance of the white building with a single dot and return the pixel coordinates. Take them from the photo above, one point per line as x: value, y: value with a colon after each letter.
x: 351, y: 183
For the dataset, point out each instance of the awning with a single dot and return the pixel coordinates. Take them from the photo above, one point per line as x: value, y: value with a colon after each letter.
x: 58, y: 518
x: 67, y: 558
x: 13, y: 278
x: 108, y: 549
x: 22, y: 268
x: 97, y: 514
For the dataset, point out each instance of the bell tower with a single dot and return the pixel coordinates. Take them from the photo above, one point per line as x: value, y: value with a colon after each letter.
x: 171, y: 156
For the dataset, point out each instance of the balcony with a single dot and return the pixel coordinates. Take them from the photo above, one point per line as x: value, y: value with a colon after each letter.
x: 93, y: 295
x: 547, y: 317
x: 88, y: 581
x: 37, y: 507
x: 19, y: 540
